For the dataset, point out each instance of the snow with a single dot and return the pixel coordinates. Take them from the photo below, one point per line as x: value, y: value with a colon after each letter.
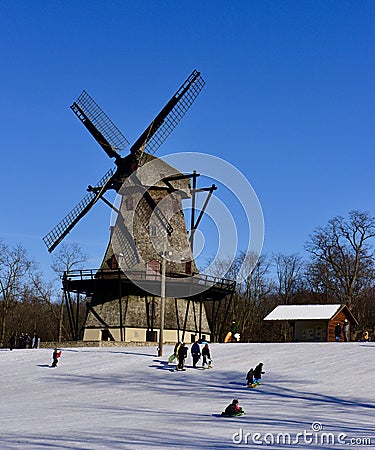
x: 303, y: 312
x: 128, y: 398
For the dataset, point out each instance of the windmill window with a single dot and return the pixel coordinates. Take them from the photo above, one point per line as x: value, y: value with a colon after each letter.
x: 129, y: 203
x: 188, y: 267
x: 113, y: 263
x: 153, y: 266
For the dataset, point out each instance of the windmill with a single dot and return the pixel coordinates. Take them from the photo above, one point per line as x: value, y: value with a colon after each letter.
x: 122, y: 296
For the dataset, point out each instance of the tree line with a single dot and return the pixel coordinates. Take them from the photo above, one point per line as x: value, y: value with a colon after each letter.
x: 340, y: 269
x: 30, y: 305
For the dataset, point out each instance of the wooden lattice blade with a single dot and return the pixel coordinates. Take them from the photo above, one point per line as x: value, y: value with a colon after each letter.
x: 101, y: 127
x: 58, y: 233
x: 168, y: 118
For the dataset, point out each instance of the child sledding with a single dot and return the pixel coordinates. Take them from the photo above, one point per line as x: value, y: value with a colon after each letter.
x: 233, y: 410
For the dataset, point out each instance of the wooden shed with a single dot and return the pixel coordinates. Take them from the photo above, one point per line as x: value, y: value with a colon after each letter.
x: 313, y: 323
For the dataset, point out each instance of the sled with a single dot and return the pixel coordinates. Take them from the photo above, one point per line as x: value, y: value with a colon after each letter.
x: 233, y: 415
x: 228, y: 337
x: 171, y: 358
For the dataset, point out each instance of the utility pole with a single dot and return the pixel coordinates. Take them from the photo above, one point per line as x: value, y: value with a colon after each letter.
x: 162, y: 302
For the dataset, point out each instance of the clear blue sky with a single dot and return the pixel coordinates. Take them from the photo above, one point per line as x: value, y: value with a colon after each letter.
x: 289, y: 100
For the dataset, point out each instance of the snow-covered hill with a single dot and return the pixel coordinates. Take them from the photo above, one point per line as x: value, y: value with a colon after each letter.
x: 128, y: 398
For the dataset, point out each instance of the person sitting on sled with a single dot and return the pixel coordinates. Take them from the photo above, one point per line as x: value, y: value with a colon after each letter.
x: 250, y: 377
x: 233, y: 409
x: 55, y: 356
x: 258, y: 371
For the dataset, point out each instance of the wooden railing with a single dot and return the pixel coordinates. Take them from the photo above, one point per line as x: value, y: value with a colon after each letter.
x: 139, y: 275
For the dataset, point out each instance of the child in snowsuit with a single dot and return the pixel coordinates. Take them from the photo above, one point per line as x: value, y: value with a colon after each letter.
x: 250, y: 377
x: 258, y: 371
x: 55, y: 356
x: 206, y: 356
x: 195, y: 353
x: 234, y: 409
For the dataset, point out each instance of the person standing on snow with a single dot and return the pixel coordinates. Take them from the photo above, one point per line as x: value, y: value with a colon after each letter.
x: 195, y: 353
x: 258, y: 371
x: 206, y: 356
x: 345, y: 330
x: 12, y: 342
x: 181, y: 356
x: 55, y: 356
x: 338, y: 332
x: 250, y: 377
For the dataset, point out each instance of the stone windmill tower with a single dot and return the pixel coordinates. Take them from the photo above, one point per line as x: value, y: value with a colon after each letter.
x: 149, y: 248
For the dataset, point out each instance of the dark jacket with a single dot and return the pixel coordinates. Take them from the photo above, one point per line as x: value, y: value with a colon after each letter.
x: 258, y: 371
x: 182, y: 352
x: 338, y: 330
x: 195, y: 349
x: 250, y: 376
x: 232, y: 409
x: 206, y: 352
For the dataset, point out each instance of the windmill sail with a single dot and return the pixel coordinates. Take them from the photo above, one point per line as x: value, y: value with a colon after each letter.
x: 105, y: 132
x: 168, y: 118
x: 57, y: 234
x: 112, y: 140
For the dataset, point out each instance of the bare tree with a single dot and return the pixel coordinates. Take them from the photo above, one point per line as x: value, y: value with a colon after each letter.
x: 255, y: 290
x: 46, y: 293
x: 289, y: 270
x: 342, y: 263
x: 289, y: 284
x: 67, y: 258
x: 14, y: 265
x: 249, y: 304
